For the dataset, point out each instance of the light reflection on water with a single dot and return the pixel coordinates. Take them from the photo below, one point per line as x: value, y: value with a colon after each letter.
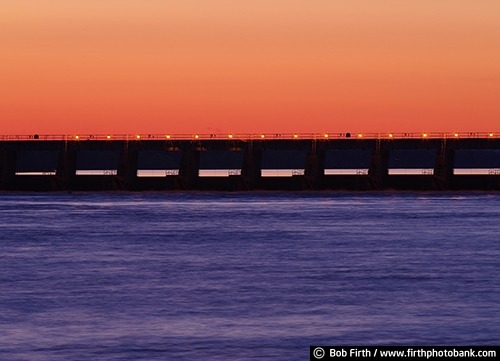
x: 244, y: 275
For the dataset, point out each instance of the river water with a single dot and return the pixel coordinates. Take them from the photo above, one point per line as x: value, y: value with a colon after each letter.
x: 236, y: 276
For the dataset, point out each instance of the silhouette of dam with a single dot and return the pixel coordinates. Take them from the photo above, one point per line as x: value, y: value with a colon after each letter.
x: 250, y: 164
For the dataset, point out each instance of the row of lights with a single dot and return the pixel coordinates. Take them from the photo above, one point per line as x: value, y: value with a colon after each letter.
x: 326, y: 135
x: 230, y: 136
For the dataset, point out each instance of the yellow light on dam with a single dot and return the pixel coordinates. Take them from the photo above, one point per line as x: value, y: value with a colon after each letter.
x: 230, y: 136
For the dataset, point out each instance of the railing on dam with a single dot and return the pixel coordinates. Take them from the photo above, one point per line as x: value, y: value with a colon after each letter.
x: 251, y: 136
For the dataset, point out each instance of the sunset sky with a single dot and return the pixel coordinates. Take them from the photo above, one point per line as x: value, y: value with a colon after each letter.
x: 220, y: 66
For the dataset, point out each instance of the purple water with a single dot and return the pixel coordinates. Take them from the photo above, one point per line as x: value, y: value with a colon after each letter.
x: 219, y: 276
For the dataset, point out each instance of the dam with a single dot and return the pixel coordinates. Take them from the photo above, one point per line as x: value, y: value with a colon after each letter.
x: 329, y: 161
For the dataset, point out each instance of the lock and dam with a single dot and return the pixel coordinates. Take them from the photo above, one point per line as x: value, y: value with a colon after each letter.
x: 332, y: 161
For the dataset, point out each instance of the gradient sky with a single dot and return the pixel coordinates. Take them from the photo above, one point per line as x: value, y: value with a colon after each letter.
x: 220, y: 66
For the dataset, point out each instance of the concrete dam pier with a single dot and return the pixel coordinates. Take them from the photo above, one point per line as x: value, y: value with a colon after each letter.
x: 344, y: 163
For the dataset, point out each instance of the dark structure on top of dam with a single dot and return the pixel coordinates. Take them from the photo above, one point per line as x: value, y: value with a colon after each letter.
x: 277, y: 162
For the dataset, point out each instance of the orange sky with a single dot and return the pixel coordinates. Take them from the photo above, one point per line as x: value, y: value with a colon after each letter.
x: 209, y: 66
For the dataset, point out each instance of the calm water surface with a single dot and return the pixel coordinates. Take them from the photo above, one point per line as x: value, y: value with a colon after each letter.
x: 219, y: 276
